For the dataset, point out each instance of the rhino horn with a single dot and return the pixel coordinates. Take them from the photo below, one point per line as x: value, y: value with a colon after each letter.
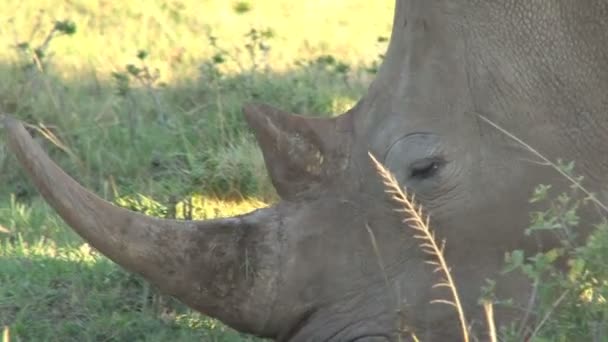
x: 201, y: 263
x: 302, y: 153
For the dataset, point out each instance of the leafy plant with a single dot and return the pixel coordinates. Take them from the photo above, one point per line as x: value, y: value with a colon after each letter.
x: 36, y: 54
x: 570, y: 301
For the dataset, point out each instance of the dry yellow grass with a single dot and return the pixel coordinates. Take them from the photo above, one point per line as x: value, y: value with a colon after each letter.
x: 110, y: 32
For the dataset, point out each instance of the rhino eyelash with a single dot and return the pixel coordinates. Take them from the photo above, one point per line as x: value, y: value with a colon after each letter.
x: 426, y: 168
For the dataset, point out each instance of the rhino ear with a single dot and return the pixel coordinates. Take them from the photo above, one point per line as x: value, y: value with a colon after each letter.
x: 301, y: 153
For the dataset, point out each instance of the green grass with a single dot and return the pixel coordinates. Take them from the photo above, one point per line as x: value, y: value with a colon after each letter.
x: 56, y: 288
x: 150, y: 143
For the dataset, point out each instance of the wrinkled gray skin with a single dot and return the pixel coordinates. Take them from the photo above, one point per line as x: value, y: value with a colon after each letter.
x: 538, y: 68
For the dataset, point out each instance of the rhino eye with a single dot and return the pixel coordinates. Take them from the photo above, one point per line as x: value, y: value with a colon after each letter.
x: 426, y: 168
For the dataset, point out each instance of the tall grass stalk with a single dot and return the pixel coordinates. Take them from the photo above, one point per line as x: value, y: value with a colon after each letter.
x: 547, y: 162
x: 548, y: 314
x: 488, y: 308
x: 418, y: 221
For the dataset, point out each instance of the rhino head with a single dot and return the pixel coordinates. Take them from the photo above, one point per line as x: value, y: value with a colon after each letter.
x: 305, y: 269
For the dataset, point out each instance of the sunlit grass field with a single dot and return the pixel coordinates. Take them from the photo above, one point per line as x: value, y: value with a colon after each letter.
x: 142, y: 104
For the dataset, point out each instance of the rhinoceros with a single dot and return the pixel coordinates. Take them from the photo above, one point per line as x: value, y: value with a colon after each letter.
x: 304, y: 269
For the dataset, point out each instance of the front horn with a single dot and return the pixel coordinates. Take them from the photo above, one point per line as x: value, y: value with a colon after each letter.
x: 201, y: 263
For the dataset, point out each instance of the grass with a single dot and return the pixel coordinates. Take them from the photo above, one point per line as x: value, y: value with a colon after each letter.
x: 142, y: 104
x: 56, y: 288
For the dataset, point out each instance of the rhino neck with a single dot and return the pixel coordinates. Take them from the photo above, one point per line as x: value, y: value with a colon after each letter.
x: 534, y: 68
x: 420, y: 76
